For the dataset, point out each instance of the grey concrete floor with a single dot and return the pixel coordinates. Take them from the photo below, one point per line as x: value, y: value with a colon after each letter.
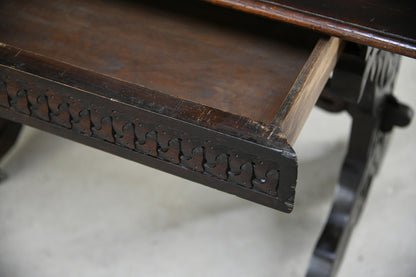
x: 69, y: 210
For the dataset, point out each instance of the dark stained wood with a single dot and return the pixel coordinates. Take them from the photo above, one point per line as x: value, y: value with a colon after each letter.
x: 124, y: 92
x: 215, y: 101
x: 374, y: 117
x: 384, y: 24
x: 206, y: 93
x: 231, y: 153
x: 9, y: 132
x: 181, y: 50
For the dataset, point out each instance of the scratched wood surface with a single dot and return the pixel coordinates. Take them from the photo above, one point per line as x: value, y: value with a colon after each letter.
x: 232, y: 61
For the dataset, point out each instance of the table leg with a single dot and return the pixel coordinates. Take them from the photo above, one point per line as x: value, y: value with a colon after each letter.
x: 374, y: 111
x: 8, y: 134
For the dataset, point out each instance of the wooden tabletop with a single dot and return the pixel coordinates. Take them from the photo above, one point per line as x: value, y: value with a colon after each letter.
x: 384, y: 24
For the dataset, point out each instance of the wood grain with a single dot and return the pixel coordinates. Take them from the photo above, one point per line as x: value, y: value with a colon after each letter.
x: 384, y: 24
x: 225, y: 151
x: 232, y: 61
x: 307, y: 87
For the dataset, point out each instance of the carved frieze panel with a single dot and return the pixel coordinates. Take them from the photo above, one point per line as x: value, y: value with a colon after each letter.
x: 147, y: 134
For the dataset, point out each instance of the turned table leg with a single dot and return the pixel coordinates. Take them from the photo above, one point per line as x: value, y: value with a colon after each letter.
x: 363, y: 86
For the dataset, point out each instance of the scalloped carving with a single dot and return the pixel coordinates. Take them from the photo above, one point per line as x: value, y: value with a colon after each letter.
x: 139, y: 135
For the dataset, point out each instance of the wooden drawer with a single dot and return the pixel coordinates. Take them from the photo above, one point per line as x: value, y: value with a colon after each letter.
x: 206, y: 93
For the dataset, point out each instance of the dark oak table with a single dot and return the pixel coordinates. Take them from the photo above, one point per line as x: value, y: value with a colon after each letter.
x: 212, y: 94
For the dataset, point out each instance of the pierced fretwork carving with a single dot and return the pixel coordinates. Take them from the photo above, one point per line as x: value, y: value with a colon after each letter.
x: 374, y: 115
